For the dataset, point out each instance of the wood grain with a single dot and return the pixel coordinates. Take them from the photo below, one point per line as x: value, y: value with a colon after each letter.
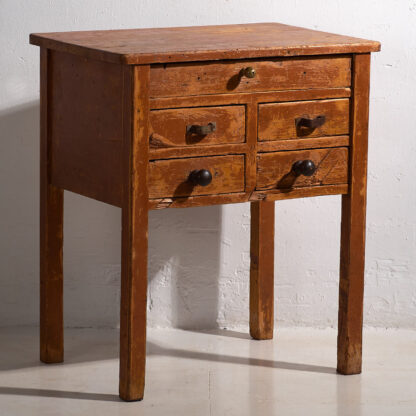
x: 251, y: 160
x: 169, y: 127
x: 351, y: 286
x: 192, y: 151
x: 304, y: 143
x: 51, y: 234
x: 198, y: 201
x: 244, y: 98
x: 309, y: 192
x: 169, y: 178
x: 277, y: 121
x: 179, y: 44
x: 268, y: 195
x: 274, y: 170
x: 224, y: 76
x: 86, y: 126
x: 133, y: 302
x: 262, y: 270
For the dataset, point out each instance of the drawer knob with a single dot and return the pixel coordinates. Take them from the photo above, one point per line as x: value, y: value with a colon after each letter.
x: 202, y: 177
x: 201, y: 130
x: 310, y: 123
x: 248, y: 72
x: 304, y: 167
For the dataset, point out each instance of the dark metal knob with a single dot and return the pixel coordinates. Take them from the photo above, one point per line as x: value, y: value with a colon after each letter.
x: 202, y: 177
x: 304, y: 167
x: 310, y: 123
x: 201, y: 130
x: 248, y: 72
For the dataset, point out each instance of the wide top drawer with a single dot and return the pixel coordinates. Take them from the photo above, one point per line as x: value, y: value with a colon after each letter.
x: 221, y: 77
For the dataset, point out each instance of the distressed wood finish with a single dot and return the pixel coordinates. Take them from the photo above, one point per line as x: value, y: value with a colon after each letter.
x: 86, y: 126
x: 224, y: 77
x: 243, y: 98
x: 308, y: 143
x: 277, y: 121
x: 279, y: 194
x: 169, y: 127
x: 169, y: 178
x: 201, y: 43
x: 133, y: 303
x: 251, y: 123
x: 262, y: 270
x: 269, y: 195
x: 351, y: 285
x: 51, y: 234
x: 274, y: 170
x: 115, y: 106
x: 192, y: 151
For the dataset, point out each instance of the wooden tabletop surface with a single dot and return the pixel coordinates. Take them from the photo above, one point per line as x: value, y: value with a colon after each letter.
x: 198, y: 43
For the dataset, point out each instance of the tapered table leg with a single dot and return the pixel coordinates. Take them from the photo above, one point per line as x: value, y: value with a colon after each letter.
x: 51, y: 240
x: 262, y: 270
x: 351, y: 287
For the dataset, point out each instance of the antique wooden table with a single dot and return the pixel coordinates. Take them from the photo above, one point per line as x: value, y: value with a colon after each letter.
x: 184, y: 117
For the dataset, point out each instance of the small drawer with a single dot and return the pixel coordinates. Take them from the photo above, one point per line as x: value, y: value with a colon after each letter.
x: 294, y: 120
x: 186, y: 177
x: 221, y: 77
x: 197, y: 126
x: 285, y: 170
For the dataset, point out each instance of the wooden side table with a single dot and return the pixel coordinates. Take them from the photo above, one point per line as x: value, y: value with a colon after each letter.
x: 180, y: 117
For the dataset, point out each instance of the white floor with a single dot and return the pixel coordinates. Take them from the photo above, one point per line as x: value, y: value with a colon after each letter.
x: 210, y: 373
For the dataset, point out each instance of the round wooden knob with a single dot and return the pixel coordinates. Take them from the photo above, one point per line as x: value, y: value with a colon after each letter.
x: 304, y: 167
x: 202, y: 177
x: 249, y: 72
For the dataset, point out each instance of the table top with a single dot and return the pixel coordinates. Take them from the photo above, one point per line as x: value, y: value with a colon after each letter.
x: 199, y: 43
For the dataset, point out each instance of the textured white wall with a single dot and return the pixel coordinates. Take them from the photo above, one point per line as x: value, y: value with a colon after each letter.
x: 199, y: 258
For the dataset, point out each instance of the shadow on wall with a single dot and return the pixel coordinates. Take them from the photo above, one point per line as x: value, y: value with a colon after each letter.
x: 184, y: 256
x: 19, y: 154
x: 184, y: 247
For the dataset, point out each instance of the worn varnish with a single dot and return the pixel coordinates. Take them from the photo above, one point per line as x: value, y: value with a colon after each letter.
x: 307, y: 192
x: 201, y: 43
x: 129, y: 116
x: 239, y: 197
x: 275, y: 170
x: 86, y: 129
x: 351, y: 285
x: 243, y: 98
x: 303, y: 143
x: 277, y: 121
x: 225, y: 76
x: 134, y: 238
x: 169, y: 127
x: 262, y: 270
x: 171, y: 177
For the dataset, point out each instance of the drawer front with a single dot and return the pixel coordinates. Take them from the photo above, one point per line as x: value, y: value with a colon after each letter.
x: 197, y: 126
x: 171, y: 80
x: 279, y: 121
x: 275, y: 170
x: 171, y: 178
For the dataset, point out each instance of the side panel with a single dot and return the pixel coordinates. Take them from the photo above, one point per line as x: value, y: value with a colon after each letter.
x: 86, y: 109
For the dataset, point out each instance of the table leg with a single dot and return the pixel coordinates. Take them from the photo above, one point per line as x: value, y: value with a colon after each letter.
x: 134, y: 234
x: 133, y: 307
x: 351, y: 286
x: 51, y: 240
x: 262, y: 270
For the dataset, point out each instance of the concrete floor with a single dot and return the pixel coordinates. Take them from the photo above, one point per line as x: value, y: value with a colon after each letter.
x: 210, y: 373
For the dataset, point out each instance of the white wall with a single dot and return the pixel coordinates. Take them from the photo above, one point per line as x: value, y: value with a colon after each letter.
x: 199, y: 258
